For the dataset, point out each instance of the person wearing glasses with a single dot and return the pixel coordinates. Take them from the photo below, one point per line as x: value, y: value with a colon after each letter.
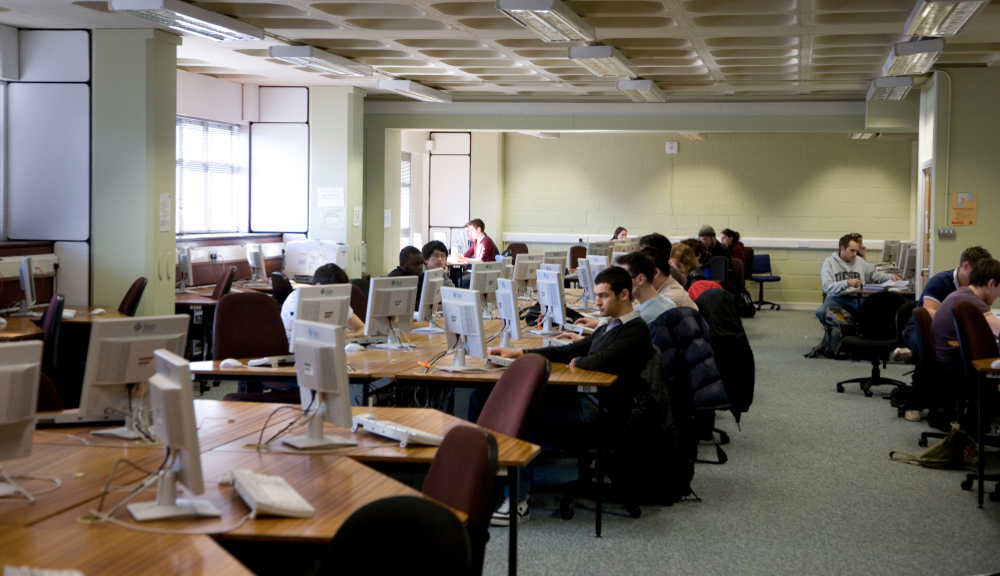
x: 843, y: 271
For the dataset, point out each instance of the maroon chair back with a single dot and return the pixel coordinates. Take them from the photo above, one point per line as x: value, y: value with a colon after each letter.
x: 975, y: 337
x: 359, y: 304
x: 462, y: 476
x: 131, y: 300
x: 225, y: 284
x: 517, y: 248
x: 575, y: 253
x: 738, y: 277
x: 51, y: 327
x: 511, y: 406
x: 48, y: 395
x: 248, y: 325
x: 747, y: 257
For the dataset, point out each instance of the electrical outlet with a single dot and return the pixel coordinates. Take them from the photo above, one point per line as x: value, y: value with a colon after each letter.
x: 946, y: 232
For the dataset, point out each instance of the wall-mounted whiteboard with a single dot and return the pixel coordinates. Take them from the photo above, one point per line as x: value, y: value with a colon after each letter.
x: 279, y: 177
x: 449, y: 191
x: 452, y: 142
x: 48, y: 161
x: 283, y: 104
x: 54, y: 55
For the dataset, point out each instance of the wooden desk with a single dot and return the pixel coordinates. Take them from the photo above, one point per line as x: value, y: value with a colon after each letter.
x: 986, y: 373
x: 336, y: 486
x: 84, y: 314
x: 104, y: 550
x: 19, y: 328
x: 197, y: 297
x: 218, y: 423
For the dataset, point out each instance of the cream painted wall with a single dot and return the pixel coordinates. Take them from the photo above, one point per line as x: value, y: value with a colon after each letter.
x: 762, y: 185
x: 486, y: 198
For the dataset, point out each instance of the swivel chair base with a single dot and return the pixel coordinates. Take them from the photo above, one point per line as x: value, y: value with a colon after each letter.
x: 760, y: 299
x: 876, y: 379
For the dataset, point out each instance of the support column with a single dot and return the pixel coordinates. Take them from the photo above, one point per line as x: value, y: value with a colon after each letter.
x: 336, y: 161
x: 383, y: 147
x: 133, y: 160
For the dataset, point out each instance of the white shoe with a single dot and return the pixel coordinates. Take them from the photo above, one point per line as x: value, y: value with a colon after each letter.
x: 502, y: 515
x: 901, y: 355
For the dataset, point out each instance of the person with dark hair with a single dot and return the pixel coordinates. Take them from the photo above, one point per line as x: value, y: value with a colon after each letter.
x: 656, y: 240
x: 942, y: 284
x: 483, y: 249
x: 731, y: 239
x: 436, y: 256
x: 664, y: 282
x: 620, y: 234
x: 642, y: 269
x: 844, y: 272
x: 411, y: 263
x: 323, y: 276
x: 713, y: 248
x: 696, y: 246
x: 622, y: 345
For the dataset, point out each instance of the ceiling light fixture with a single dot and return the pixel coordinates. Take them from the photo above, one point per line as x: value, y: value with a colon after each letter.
x: 550, y: 20
x: 862, y: 135
x: 319, y: 60
x: 604, y: 61
x: 913, y: 57
x: 411, y: 89
x: 545, y: 135
x: 642, y: 90
x: 191, y: 19
x: 693, y: 136
x: 890, y: 88
x: 942, y: 17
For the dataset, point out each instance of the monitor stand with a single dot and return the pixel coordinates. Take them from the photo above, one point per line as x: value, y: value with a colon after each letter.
x: 25, y: 309
x: 546, y: 329
x: 395, y: 341
x: 126, y: 432
x: 458, y: 364
x: 168, y: 506
x: 314, y: 437
x: 8, y: 487
x: 431, y: 328
x: 183, y: 289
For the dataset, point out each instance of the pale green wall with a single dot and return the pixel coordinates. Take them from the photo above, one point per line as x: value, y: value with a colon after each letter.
x: 486, y: 201
x: 134, y: 158
x: 888, y: 116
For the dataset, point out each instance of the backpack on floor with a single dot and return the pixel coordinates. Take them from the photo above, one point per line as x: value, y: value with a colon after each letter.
x: 838, y: 323
x: 956, y: 450
x: 744, y: 304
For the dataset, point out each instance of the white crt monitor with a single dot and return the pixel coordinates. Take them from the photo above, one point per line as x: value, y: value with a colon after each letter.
x: 556, y: 257
x: 586, y: 279
x: 20, y: 370
x: 463, y: 321
x: 172, y: 405
x: 890, y: 252
x: 120, y: 356
x: 391, y: 302
x: 321, y: 371
x: 430, y: 297
x: 550, y: 297
x: 508, y: 312
x: 327, y: 304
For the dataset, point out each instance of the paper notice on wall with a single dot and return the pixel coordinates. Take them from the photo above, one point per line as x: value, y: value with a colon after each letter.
x: 330, y: 198
x: 387, y: 219
x: 357, y: 216
x: 964, y: 209
x: 166, y: 212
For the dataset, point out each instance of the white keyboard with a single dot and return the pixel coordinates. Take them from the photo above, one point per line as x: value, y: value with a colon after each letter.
x: 404, y: 434
x: 273, y: 361
x: 270, y: 495
x: 30, y: 571
x: 499, y: 360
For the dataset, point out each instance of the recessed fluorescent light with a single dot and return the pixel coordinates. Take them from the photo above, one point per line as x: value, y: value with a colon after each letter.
x: 862, y: 135
x: 319, y: 60
x: 191, y: 19
x: 942, y: 17
x: 413, y: 90
x: 550, y: 20
x: 547, y: 135
x: 890, y: 88
x: 693, y: 136
x: 604, y: 61
x: 913, y: 57
x: 642, y: 90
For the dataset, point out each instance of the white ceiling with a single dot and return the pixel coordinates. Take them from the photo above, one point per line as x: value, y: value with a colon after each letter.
x: 693, y: 49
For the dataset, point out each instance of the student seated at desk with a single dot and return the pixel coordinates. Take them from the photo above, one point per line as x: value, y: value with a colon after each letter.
x: 324, y: 275
x: 482, y: 250
x: 646, y: 300
x: 621, y: 346
x: 664, y: 281
x: 411, y: 263
x: 843, y: 270
x: 436, y: 256
x: 685, y: 259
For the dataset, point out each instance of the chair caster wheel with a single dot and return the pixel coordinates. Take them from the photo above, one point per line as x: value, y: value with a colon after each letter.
x: 633, y: 511
x: 967, y: 484
x: 840, y: 388
x: 566, y: 512
x: 922, y: 443
x: 868, y: 393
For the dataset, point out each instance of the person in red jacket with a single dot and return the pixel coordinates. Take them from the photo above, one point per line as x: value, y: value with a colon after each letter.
x: 483, y: 249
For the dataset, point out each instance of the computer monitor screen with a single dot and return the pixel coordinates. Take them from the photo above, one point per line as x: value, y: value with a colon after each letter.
x: 599, y: 249
x: 185, y: 269
x: 555, y: 257
x: 508, y: 312
x: 621, y: 245
x: 321, y: 371
x: 484, y: 276
x: 391, y: 303
x: 890, y: 252
x: 327, y: 304
x: 463, y: 321
x: 597, y: 264
x: 901, y: 253
x: 20, y: 369
x: 430, y: 294
x: 172, y: 406
x: 256, y: 259
x: 910, y: 264
x: 120, y: 357
x: 616, y: 255
x: 525, y: 266
x: 551, y: 296
x: 586, y: 279
x: 27, y: 273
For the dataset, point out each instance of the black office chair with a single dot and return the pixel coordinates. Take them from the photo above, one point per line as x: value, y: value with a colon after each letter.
x: 877, y: 337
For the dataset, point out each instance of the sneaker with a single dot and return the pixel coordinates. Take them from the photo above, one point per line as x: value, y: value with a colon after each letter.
x: 912, y: 415
x: 901, y: 355
x: 502, y: 515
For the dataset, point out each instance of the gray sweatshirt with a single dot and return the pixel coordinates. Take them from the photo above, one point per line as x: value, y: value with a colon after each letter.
x: 836, y: 273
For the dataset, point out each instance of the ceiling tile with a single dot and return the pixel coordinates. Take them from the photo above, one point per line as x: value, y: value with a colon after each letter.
x: 743, y: 21
x: 441, y: 43
x: 252, y: 10
x: 755, y: 53
x: 398, y: 24
x: 864, y: 5
x: 615, y: 7
x: 502, y: 23
x: 860, y: 40
x: 756, y: 61
x: 462, y: 54
x: 480, y: 63
x: 368, y: 9
x: 646, y: 43
x: 630, y: 22
x: 849, y: 18
x: 752, y: 42
x: 291, y: 23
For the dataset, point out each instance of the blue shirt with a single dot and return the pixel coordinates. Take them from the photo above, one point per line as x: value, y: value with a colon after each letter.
x: 651, y: 309
x: 940, y: 286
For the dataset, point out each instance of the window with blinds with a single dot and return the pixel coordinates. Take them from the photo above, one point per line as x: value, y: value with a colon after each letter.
x: 404, y: 201
x: 208, y: 176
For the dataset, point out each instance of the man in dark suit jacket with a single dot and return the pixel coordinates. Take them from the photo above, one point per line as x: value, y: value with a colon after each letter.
x: 620, y: 345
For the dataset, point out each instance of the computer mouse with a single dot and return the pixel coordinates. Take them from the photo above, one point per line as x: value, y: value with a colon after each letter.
x: 230, y: 363
x: 226, y: 479
x: 354, y: 347
x: 3, y: 322
x: 97, y: 311
x: 995, y: 364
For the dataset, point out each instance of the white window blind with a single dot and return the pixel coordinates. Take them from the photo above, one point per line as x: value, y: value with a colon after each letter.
x: 208, y: 176
x: 404, y: 201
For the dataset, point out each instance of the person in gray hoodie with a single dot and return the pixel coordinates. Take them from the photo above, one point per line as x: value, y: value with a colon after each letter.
x: 845, y: 270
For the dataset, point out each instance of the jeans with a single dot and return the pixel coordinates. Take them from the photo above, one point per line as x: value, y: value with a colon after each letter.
x: 848, y: 302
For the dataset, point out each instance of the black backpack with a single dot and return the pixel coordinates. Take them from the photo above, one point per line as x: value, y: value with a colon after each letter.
x: 744, y: 304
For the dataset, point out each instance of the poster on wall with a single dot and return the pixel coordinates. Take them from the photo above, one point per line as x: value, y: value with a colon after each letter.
x: 964, y: 209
